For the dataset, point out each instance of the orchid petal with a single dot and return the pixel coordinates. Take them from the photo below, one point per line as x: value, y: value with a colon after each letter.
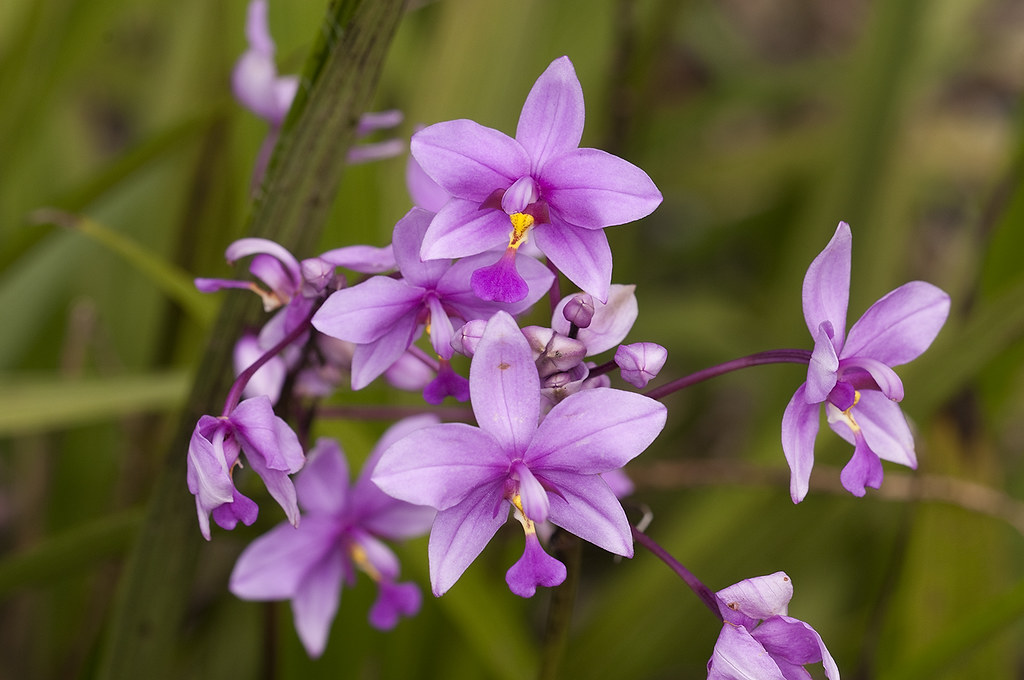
x: 900, y: 326
x: 534, y: 568
x: 273, y: 566
x: 871, y: 374
x: 551, y: 122
x: 583, y: 255
x: 460, y: 534
x: 592, y: 189
x: 756, y: 598
x: 738, y: 656
x: 863, y: 470
x: 425, y: 192
x: 265, y: 436
x: 362, y: 259
x: 584, y: 505
x: 821, y: 371
x: 799, y: 429
x: 322, y: 485
x: 462, y: 228
x: 407, y: 241
x: 532, y: 495
x: 595, y: 431
x: 371, y: 359
x: 468, y: 160
x: 364, y: 313
x: 316, y: 601
x: 431, y: 466
x: 394, y: 600
x: 885, y: 428
x: 826, y: 289
x: 504, y: 385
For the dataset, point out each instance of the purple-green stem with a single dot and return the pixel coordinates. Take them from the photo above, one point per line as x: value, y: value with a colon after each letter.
x: 705, y: 594
x: 235, y: 393
x: 772, y: 356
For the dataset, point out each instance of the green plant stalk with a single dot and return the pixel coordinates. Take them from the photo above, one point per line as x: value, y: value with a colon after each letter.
x: 302, y: 180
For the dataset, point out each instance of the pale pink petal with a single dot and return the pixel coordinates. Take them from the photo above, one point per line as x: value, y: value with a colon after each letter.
x: 504, y: 384
x: 900, y: 326
x: 799, y: 430
x: 593, y: 189
x: 595, y: 431
x: 583, y: 255
x: 551, y: 122
x: 460, y: 534
x: 439, y: 466
x: 468, y: 160
x: 584, y: 505
x: 826, y: 289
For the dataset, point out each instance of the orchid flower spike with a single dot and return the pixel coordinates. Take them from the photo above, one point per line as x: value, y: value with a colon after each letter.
x: 852, y: 373
x: 539, y: 184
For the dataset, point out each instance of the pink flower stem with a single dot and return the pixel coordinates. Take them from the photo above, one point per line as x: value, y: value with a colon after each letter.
x: 773, y: 356
x: 235, y: 393
x: 705, y: 594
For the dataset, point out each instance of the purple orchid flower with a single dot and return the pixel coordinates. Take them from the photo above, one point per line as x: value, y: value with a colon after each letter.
x: 474, y: 475
x: 758, y: 641
x: 340, y: 534
x: 540, y: 183
x: 852, y: 373
x: 271, y: 449
x: 383, y: 316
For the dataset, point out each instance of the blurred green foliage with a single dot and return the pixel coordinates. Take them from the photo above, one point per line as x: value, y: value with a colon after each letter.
x: 763, y: 124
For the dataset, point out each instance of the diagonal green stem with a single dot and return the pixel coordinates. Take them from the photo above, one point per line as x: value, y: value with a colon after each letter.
x: 302, y: 180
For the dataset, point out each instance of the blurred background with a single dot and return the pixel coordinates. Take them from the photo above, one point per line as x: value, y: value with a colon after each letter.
x: 764, y: 123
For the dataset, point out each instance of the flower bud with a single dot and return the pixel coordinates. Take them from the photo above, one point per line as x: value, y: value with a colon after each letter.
x: 640, y: 362
x: 466, y: 338
x: 579, y: 310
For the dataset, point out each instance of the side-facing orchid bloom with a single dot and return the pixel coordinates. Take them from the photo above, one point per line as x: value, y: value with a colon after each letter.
x: 758, y: 641
x: 340, y: 535
x: 473, y: 476
x: 383, y: 316
x: 852, y: 373
x: 271, y: 449
x: 504, y: 190
x: 258, y: 87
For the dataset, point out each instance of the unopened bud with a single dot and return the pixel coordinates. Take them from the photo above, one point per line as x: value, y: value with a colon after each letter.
x: 579, y: 311
x: 467, y: 338
x: 640, y: 362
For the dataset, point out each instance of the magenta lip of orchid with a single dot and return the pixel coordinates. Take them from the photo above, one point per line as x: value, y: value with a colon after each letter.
x: 551, y: 436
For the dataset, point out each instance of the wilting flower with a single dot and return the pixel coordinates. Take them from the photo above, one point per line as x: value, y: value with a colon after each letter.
x: 758, y: 641
x: 852, y: 373
x: 504, y: 190
x: 271, y: 449
x: 340, y: 535
x: 473, y: 476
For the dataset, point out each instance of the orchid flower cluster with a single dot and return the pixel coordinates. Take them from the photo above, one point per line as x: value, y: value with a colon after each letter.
x: 496, y: 220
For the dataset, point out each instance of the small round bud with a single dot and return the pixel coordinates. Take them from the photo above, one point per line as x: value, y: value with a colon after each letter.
x: 467, y: 338
x: 579, y: 311
x: 640, y: 362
